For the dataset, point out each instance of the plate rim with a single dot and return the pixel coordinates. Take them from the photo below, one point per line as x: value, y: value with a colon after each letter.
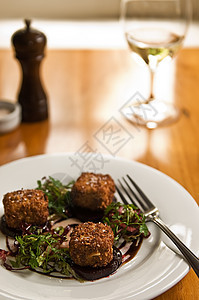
x: 121, y: 159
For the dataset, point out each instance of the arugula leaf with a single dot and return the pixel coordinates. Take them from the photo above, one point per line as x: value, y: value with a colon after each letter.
x: 44, y: 252
x: 58, y: 195
x: 144, y: 229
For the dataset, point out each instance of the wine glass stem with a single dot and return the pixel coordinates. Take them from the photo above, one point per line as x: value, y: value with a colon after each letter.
x: 152, y: 75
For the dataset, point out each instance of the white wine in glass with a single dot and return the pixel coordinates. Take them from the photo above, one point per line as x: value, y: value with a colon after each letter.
x: 154, y: 30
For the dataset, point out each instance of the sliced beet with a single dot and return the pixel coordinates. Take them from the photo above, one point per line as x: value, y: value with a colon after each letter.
x: 11, y: 232
x: 90, y: 273
x: 85, y: 214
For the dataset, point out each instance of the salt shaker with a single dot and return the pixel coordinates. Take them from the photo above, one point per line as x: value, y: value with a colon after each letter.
x: 29, y: 47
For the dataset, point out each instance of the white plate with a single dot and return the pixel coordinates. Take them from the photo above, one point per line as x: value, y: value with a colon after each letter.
x: 155, y: 268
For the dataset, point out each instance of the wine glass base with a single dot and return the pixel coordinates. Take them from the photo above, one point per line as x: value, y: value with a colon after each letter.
x: 152, y: 114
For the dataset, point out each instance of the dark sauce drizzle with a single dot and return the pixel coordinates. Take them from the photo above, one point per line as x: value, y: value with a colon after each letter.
x: 131, y: 251
x: 121, y: 255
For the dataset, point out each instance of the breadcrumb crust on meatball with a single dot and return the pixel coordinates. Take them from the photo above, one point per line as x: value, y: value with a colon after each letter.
x: 93, y: 191
x: 29, y: 206
x: 91, y: 244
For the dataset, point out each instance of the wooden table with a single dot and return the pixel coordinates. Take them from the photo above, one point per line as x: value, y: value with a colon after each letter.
x: 86, y: 89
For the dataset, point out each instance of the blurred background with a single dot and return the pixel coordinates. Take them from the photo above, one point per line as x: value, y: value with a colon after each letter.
x: 67, y: 23
x: 66, y: 9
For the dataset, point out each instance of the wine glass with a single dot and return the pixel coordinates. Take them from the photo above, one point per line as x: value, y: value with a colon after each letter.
x: 155, y: 31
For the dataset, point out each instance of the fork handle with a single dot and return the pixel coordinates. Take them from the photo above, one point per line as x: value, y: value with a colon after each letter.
x: 190, y: 256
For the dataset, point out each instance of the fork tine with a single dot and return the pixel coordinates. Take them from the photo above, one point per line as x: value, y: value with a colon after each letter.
x: 141, y: 204
x: 145, y: 198
x: 127, y: 193
x: 121, y: 195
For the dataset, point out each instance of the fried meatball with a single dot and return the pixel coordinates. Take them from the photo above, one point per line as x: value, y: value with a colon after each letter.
x: 30, y: 206
x: 91, y: 244
x: 93, y: 191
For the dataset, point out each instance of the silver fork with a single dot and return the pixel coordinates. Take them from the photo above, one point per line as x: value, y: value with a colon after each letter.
x: 151, y: 213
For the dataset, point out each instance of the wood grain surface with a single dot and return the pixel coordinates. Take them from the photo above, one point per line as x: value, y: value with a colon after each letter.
x: 86, y: 91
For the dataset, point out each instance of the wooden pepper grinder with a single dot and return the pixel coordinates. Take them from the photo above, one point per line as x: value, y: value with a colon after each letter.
x: 29, y: 46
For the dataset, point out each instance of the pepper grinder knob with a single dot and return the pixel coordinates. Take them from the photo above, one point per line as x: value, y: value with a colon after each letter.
x: 29, y: 47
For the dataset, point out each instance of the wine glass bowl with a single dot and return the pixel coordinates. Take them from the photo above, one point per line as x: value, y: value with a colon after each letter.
x: 155, y: 31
